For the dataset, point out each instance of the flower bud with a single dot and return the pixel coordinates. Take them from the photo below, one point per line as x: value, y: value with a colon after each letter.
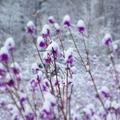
x: 10, y: 44
x: 30, y: 28
x: 46, y: 58
x: 69, y: 56
x: 4, y: 55
x: 53, y: 49
x: 107, y: 40
x: 45, y: 31
x: 67, y: 21
x: 81, y: 26
x: 41, y: 42
x: 51, y: 20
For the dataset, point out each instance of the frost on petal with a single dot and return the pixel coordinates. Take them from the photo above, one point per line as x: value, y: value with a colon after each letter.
x: 107, y: 40
x: 67, y: 21
x: 81, y: 26
x: 4, y: 55
x: 10, y: 44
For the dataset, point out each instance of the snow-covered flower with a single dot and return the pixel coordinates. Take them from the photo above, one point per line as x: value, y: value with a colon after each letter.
x: 10, y: 44
x: 81, y: 26
x: 47, y: 58
x: 22, y: 97
x: 105, y: 92
x: 4, y: 55
x: 34, y: 83
x: 51, y: 20
x: 69, y: 56
x: 2, y: 69
x: 107, y: 40
x: 41, y: 42
x: 115, y: 107
x: 67, y: 21
x: 45, y: 85
x: 57, y: 27
x: 15, y: 68
x: 88, y: 111
x: 45, y: 31
x: 30, y: 28
x: 53, y: 49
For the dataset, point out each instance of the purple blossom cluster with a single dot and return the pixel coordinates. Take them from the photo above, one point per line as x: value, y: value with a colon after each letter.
x: 47, y: 95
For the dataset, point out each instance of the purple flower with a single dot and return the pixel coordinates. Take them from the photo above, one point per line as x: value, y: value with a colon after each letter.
x: 67, y: 21
x: 51, y: 20
x: 30, y: 27
x: 4, y: 55
x: 107, y: 40
x: 41, y: 42
x: 81, y: 26
x: 53, y: 49
x: 47, y: 58
x: 34, y: 83
x: 104, y: 92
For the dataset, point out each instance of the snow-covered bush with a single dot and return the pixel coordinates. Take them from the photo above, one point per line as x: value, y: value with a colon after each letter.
x: 48, y: 94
